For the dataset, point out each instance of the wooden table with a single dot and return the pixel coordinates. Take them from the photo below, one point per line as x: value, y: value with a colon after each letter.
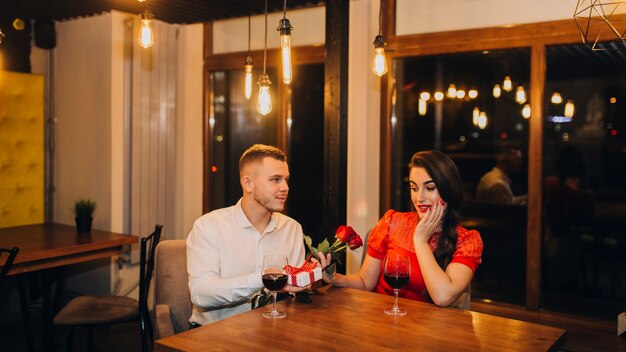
x: 53, y: 246
x: 341, y: 319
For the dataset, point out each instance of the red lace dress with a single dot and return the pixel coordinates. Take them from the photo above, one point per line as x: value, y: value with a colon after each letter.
x: 394, y: 233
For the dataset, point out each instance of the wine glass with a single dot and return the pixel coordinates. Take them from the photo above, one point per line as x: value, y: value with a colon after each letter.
x: 397, y: 274
x: 274, y: 279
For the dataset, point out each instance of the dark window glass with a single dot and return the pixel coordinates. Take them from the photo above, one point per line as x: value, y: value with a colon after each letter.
x: 584, y: 191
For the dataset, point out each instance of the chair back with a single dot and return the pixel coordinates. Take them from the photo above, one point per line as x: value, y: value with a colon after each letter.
x: 146, y: 266
x: 171, y: 286
x: 8, y: 263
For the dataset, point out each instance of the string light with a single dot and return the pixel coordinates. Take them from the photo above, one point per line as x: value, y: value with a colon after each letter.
x: 380, y: 62
x: 452, y: 91
x: 507, y: 85
x: 526, y: 111
x: 569, y: 109
x: 421, y: 107
x: 497, y: 92
x: 264, y: 101
x: 482, y: 120
x: 284, y: 28
x: 520, y: 95
x: 1, y: 35
x: 439, y: 96
x: 475, y: 114
x: 556, y: 98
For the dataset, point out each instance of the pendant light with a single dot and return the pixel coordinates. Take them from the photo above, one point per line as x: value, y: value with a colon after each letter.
x: 264, y: 101
x: 520, y: 95
x: 146, y: 35
x: 380, y: 62
x: 497, y: 91
x: 507, y: 85
x: 248, y: 64
x: 284, y: 28
x: 1, y: 35
x: 568, y: 111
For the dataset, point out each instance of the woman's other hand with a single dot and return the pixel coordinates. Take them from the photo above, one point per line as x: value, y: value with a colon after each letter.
x: 324, y: 261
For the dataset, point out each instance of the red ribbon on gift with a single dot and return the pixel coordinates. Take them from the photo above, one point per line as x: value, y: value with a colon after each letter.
x: 308, y: 267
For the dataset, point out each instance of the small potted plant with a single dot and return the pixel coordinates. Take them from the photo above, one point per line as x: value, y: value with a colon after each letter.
x: 83, y: 214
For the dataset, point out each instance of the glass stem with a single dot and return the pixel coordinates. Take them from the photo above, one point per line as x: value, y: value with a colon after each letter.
x: 274, y: 302
x: 395, y: 301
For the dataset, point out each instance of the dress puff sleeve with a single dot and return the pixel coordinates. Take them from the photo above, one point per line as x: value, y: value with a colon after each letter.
x: 378, y: 238
x: 469, y: 248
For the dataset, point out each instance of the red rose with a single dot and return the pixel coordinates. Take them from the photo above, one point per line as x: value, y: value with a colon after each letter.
x: 355, y: 242
x: 345, y: 233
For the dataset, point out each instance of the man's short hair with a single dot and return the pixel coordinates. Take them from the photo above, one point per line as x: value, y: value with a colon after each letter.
x: 257, y: 152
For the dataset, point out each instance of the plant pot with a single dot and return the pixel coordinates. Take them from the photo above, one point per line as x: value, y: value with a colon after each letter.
x: 83, y: 225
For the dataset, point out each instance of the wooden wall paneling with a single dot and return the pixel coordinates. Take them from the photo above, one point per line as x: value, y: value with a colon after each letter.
x: 535, y: 176
x: 335, y: 113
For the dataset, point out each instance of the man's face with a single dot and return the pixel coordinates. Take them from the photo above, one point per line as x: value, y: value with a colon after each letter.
x: 269, y: 184
x: 514, y: 160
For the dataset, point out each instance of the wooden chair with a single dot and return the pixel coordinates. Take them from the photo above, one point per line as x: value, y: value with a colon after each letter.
x: 8, y: 263
x: 172, y: 300
x: 90, y: 311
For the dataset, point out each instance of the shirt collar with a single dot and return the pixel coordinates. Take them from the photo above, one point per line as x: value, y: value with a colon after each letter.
x: 243, y: 222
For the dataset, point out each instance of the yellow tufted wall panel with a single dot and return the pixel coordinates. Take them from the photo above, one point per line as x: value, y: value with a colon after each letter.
x: 21, y: 149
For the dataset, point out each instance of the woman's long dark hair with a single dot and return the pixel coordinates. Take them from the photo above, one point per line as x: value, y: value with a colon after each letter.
x: 446, y: 176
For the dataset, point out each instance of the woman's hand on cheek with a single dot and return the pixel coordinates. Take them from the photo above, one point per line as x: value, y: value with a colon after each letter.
x: 430, y: 223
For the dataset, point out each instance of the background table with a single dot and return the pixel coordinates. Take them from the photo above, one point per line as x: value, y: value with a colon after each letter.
x: 52, y: 246
x: 347, y: 319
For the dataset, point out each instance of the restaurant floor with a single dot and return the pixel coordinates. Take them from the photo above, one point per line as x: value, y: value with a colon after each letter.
x: 583, y: 335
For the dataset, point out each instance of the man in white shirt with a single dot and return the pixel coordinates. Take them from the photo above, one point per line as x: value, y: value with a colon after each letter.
x: 495, y: 185
x: 225, y: 248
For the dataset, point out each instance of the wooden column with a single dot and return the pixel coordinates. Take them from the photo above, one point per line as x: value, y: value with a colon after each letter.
x: 535, y: 175
x: 207, y: 160
x: 335, y: 114
x: 386, y: 91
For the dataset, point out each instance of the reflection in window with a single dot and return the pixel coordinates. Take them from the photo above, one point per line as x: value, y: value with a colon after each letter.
x: 585, y: 181
x: 471, y: 106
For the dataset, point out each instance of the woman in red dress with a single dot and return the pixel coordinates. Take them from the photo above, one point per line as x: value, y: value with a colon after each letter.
x: 444, y: 255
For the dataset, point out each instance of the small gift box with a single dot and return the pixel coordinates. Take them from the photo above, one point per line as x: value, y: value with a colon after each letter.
x: 304, y: 275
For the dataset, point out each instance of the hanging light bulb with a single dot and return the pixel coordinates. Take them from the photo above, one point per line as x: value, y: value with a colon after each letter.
x: 380, y: 62
x: 248, y: 68
x: 497, y: 92
x: 460, y: 94
x: 1, y: 36
x: 425, y: 96
x: 526, y: 111
x: 475, y: 114
x: 507, y: 85
x: 556, y: 98
x: 284, y: 28
x: 482, y: 120
x: 264, y: 101
x: 472, y: 93
x: 146, y: 35
x: 520, y: 95
x: 439, y: 96
x: 569, y: 109
x: 452, y: 91
x: 421, y: 107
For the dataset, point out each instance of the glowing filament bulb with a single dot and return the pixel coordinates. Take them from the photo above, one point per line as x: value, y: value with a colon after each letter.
x: 380, y: 62
x: 421, y: 107
x: 482, y: 120
x: 507, y: 85
x: 520, y: 95
x: 569, y: 109
x: 439, y: 96
x: 284, y: 27
x: 497, y: 91
x: 425, y: 96
x: 472, y: 93
x: 146, y: 36
x: 452, y: 91
x: 556, y: 98
x: 264, y: 101
x: 475, y: 114
x: 526, y: 111
x: 248, y: 68
x: 460, y: 94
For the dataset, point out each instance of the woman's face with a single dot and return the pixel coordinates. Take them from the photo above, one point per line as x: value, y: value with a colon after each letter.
x: 424, y: 192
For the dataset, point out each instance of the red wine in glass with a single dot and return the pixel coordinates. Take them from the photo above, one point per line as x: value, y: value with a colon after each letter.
x: 274, y: 279
x: 274, y: 282
x: 397, y: 273
x: 397, y: 281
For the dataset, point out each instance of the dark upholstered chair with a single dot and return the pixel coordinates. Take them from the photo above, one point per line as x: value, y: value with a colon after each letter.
x: 90, y: 311
x: 172, y: 301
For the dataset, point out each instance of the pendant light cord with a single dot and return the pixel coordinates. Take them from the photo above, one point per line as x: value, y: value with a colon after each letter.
x: 285, y: 9
x: 265, y: 45
x: 380, y: 18
x: 249, y: 24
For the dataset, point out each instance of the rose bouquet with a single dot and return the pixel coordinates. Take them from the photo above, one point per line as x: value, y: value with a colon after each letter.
x: 345, y: 237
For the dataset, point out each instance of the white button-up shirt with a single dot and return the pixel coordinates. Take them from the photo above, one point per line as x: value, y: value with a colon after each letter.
x: 225, y: 258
